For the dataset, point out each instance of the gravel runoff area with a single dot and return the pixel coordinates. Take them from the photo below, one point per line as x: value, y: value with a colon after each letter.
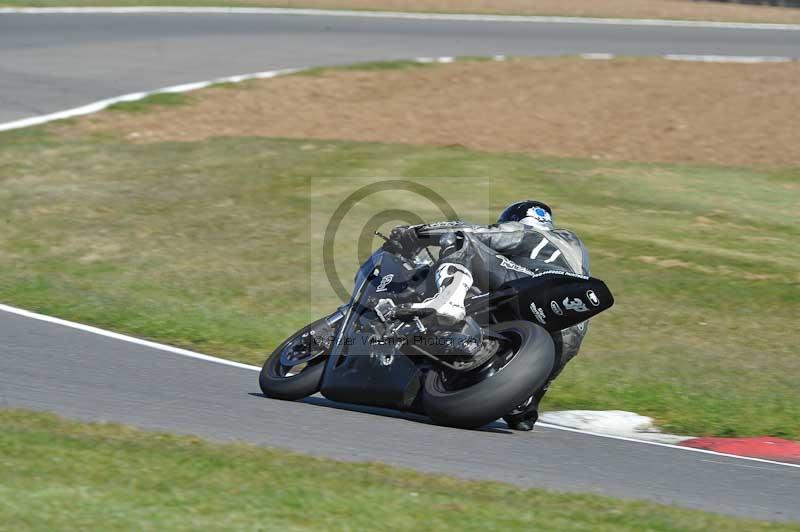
x: 651, y: 110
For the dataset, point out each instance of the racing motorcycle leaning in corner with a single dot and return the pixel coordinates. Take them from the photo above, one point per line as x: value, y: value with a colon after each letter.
x: 466, y: 338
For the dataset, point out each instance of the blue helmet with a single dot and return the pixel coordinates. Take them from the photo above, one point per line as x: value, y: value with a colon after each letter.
x: 528, y: 212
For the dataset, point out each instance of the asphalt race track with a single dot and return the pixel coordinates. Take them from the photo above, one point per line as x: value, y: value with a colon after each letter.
x: 77, y: 374
x: 52, y: 62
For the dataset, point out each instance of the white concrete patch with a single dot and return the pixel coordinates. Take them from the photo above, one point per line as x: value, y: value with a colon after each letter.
x: 455, y: 17
x: 729, y: 58
x: 601, y: 56
x: 443, y: 59
x: 615, y: 422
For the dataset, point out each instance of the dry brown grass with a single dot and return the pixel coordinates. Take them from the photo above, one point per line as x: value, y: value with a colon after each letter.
x: 669, y: 9
x: 628, y: 109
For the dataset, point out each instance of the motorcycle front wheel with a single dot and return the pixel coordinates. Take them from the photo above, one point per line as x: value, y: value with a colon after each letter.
x: 476, y: 398
x: 294, y: 370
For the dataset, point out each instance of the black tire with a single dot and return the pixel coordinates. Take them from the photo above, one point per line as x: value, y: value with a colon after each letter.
x: 291, y: 388
x: 490, y: 399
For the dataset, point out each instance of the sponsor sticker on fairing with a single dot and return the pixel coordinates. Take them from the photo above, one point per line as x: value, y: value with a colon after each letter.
x: 384, y: 283
x: 576, y: 304
x: 509, y: 264
x: 538, y: 314
x: 555, y: 308
x: 593, y: 299
x: 434, y: 225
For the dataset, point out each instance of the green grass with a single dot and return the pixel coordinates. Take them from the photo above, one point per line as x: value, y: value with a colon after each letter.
x: 161, y: 99
x: 401, y: 64
x: 367, y: 66
x: 206, y: 245
x: 58, y: 474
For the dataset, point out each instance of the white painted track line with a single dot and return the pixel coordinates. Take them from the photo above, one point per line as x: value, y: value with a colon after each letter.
x: 402, y: 15
x: 134, y: 96
x: 728, y: 58
x: 124, y: 337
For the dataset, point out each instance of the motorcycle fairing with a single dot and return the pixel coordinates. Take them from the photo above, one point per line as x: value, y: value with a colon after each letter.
x: 556, y: 300
x: 360, y: 371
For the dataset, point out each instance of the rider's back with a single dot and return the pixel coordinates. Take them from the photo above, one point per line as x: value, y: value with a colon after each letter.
x: 556, y: 249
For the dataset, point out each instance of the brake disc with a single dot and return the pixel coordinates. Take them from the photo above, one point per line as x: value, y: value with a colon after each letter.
x: 484, y: 353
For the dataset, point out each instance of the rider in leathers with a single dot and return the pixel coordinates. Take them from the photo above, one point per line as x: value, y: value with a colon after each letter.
x: 523, y: 240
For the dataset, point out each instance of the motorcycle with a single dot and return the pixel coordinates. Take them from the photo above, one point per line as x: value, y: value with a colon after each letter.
x: 371, y: 352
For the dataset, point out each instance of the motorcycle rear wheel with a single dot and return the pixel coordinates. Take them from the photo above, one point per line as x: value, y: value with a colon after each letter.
x: 281, y: 381
x: 520, y: 370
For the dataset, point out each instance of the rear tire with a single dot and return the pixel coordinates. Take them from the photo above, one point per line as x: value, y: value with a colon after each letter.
x: 292, y: 387
x: 497, y: 395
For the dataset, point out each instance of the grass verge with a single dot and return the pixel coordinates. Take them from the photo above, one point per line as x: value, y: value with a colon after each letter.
x: 112, y: 477
x: 161, y: 99
x: 205, y: 245
x: 368, y: 66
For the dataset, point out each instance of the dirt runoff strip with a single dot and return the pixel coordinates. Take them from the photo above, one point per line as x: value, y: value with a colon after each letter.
x: 665, y: 9
x: 652, y: 110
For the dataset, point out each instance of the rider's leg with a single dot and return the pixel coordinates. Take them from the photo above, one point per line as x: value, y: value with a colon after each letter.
x: 527, y: 414
x: 453, y: 281
x: 567, y: 343
x: 465, y: 257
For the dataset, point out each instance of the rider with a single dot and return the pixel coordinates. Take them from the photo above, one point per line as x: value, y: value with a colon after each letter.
x: 523, y: 240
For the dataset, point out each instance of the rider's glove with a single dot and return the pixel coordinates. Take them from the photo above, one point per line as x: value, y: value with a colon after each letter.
x: 406, y: 238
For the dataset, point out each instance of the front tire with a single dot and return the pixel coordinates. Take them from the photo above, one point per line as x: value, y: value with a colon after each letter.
x: 524, y: 370
x: 280, y: 381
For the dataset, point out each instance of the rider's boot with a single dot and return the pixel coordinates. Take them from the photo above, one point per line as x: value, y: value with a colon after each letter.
x: 453, y: 281
x: 525, y: 416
